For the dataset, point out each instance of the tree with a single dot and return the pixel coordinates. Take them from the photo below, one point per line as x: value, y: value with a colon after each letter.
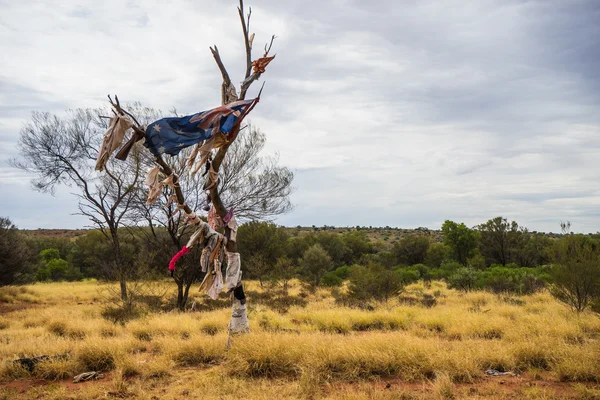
x: 261, y: 244
x: 229, y: 94
x: 315, y: 263
x: 63, y: 151
x: 464, y: 279
x: 284, y: 271
x: 461, y: 240
x: 411, y: 249
x: 334, y: 245
x: 374, y: 282
x: 54, y: 268
x: 576, y: 273
x: 501, y: 240
x: 88, y: 253
x: 254, y: 186
x: 15, y: 256
x: 436, y: 254
x: 535, y: 250
x: 358, y: 244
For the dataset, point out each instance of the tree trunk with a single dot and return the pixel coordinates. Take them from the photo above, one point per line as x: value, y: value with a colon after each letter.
x: 123, y: 285
x: 119, y: 263
x: 186, y: 293
x: 180, y: 302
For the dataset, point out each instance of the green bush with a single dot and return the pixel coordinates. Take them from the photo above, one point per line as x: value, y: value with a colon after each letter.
x: 510, y: 279
x: 447, y: 269
x: 331, y: 279
x: 342, y: 272
x: 408, y: 275
x: 373, y: 282
x: 464, y: 279
x: 53, y: 268
x: 576, y: 274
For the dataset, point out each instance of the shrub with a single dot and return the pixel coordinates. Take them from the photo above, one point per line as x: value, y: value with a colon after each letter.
x: 315, y: 262
x: 331, y: 279
x: 464, y: 279
x: 121, y: 315
x: 447, y: 269
x: 515, y: 280
x: 342, y: 272
x: 373, y: 282
x: 198, y: 352
x: 96, y: 358
x: 576, y: 275
x: 408, y: 275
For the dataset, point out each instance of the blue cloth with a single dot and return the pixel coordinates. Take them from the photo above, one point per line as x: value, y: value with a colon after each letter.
x: 170, y: 135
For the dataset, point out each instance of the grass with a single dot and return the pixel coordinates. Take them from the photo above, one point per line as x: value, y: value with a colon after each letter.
x: 315, y: 349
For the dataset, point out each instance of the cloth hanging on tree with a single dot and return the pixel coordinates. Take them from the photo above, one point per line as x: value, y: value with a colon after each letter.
x: 239, y: 317
x: 205, y: 150
x: 259, y: 65
x: 214, y: 246
x: 170, y: 135
x: 113, y: 138
x: 233, y: 273
x: 154, y: 185
x: 232, y: 224
x: 212, y: 180
x: 207, y: 282
x: 217, y: 285
x: 228, y: 215
x: 214, y: 220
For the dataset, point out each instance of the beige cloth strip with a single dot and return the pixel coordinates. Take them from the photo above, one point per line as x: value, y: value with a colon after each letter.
x: 112, y: 139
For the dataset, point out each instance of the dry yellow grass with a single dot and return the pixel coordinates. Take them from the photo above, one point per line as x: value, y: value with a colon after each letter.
x: 321, y: 350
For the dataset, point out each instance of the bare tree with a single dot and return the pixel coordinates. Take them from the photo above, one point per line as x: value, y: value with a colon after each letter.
x: 255, y: 187
x: 254, y: 69
x: 63, y: 150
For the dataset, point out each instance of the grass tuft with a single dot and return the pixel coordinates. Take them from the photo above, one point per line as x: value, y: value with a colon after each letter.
x: 95, y: 357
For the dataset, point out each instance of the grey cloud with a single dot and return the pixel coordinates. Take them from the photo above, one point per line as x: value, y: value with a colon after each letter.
x: 391, y: 113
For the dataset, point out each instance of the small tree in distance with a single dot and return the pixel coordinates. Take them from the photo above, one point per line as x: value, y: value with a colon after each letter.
x: 15, y: 266
x: 576, y: 273
x: 315, y: 263
x: 461, y: 240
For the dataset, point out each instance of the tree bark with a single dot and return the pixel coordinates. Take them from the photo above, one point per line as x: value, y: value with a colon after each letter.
x: 119, y: 263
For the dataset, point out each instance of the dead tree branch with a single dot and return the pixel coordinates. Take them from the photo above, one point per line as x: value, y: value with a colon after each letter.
x: 245, y: 28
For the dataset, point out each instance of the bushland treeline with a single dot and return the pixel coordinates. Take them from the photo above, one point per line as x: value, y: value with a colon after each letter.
x: 498, y: 255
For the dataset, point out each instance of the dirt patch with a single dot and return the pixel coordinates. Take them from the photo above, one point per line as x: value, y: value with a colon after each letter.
x: 23, y: 385
x: 505, y: 387
x: 8, y: 308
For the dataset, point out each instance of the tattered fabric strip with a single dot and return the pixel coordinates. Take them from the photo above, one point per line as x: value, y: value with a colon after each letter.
x: 233, y: 274
x: 112, y: 139
x: 212, y: 180
x: 233, y: 226
x: 205, y: 150
x: 259, y: 65
x: 214, y: 220
x: 154, y: 185
x: 217, y: 285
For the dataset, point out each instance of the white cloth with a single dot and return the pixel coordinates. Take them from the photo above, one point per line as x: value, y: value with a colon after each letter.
x: 239, y: 318
x: 233, y: 274
x: 217, y: 284
x: 232, y: 224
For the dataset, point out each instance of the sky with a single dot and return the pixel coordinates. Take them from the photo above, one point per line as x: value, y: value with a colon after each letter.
x: 399, y: 113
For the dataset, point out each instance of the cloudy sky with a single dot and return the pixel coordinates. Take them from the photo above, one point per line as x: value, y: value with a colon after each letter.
x: 401, y: 113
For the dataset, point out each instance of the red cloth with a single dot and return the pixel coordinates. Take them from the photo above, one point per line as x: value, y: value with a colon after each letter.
x: 184, y: 250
